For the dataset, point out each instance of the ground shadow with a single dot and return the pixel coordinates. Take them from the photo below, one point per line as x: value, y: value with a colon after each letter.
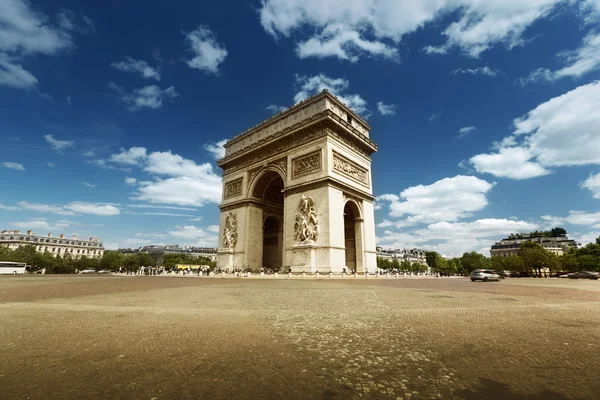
x: 488, y: 389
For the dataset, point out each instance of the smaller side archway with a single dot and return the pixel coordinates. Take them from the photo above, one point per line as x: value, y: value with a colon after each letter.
x: 353, y: 237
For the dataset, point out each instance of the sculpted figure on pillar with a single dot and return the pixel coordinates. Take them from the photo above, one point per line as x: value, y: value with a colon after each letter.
x: 230, y: 231
x: 306, y: 227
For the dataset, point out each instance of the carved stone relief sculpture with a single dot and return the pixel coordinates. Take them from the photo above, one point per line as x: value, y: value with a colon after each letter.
x: 233, y: 188
x: 306, y: 164
x: 350, y: 169
x: 306, y: 227
x: 230, y: 231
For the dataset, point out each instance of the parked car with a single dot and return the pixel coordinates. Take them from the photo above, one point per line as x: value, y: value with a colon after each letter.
x: 104, y: 271
x: 585, y: 275
x: 484, y: 275
x: 88, y: 271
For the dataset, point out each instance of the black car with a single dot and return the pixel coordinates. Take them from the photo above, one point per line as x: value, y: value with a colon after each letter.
x: 585, y: 275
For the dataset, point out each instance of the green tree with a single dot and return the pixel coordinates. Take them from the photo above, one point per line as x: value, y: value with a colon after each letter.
x: 569, y: 262
x: 534, y: 256
x: 474, y: 260
x: 514, y: 263
x: 558, y: 232
x: 112, y: 260
x: 146, y: 260
x: 24, y: 254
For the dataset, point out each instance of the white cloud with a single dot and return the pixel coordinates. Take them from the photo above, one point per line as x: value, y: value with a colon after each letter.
x: 386, y: 109
x: 13, y: 165
x: 27, y: 32
x: 51, y: 165
x: 486, y: 71
x: 309, y: 86
x: 560, y: 132
x: 213, y: 228
x: 275, y: 108
x: 216, y: 149
x: 182, y: 190
x: 14, y: 75
x: 462, y: 132
x: 188, y: 183
x: 137, y: 66
x: 41, y: 224
x: 196, y: 219
x: 133, y: 156
x: 586, y: 238
x: 448, y: 199
x: 81, y: 207
x: 90, y: 185
x: 135, y: 242
x: 130, y: 181
x: 510, y: 162
x: 160, y: 214
x: 435, y: 115
x: 200, y: 236
x: 575, y: 218
x: 160, y: 206
x: 592, y: 183
x: 147, y: 97
x: 348, y: 30
x: 58, y: 144
x: 452, y: 239
x: 579, y: 62
x: 90, y: 153
x: 208, y: 52
x: 72, y: 208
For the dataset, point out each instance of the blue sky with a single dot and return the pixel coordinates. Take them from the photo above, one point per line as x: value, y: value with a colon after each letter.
x: 487, y: 114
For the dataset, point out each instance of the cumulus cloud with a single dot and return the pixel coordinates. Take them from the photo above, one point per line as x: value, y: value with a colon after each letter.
x: 560, y: 132
x: 208, y: 52
x: 58, y: 144
x: 448, y: 199
x: 310, y: 85
x: 137, y: 66
x: 90, y: 185
x: 130, y: 181
x: 216, y: 149
x: 13, y: 165
x: 575, y: 217
x: 452, y: 239
x: 133, y: 156
x: 177, y: 180
x: 578, y: 62
x: 25, y: 32
x: 592, y: 183
x: 199, y: 236
x: 147, y: 97
x: 351, y: 29
x: 386, y: 109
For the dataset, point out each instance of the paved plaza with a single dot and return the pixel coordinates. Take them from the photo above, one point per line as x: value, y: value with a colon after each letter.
x: 147, y: 337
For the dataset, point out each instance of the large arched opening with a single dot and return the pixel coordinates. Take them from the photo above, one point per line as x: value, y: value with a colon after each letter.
x: 268, y: 191
x: 353, y: 237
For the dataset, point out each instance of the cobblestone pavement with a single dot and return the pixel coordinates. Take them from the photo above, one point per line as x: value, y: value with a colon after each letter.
x: 120, y: 337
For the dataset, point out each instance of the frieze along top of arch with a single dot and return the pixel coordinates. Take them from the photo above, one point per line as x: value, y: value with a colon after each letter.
x: 303, y: 111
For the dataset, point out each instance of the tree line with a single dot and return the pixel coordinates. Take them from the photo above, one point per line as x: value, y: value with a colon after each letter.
x: 532, y: 259
x: 110, y: 260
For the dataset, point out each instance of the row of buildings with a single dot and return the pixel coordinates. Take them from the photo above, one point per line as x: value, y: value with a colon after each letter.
x: 557, y: 245
x: 159, y: 251
x: 411, y: 255
x: 55, y: 245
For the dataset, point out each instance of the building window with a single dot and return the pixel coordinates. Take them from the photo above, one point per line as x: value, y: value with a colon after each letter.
x: 54, y: 249
x: 59, y: 250
x: 77, y: 251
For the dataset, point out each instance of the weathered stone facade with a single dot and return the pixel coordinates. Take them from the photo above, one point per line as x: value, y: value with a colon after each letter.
x: 290, y: 181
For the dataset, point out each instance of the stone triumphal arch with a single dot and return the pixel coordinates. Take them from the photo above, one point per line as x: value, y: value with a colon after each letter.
x: 297, y: 192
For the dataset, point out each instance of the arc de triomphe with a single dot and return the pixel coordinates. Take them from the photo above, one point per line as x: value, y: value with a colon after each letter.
x: 297, y: 192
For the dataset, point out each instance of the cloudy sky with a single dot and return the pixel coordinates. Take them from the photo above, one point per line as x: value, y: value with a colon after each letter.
x: 486, y: 113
